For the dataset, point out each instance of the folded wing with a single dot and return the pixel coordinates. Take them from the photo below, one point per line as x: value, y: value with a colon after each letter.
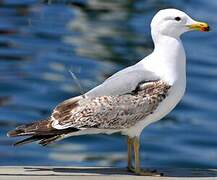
x: 111, y: 112
x: 122, y: 82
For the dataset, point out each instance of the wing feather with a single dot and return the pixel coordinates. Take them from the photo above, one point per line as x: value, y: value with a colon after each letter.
x: 112, y: 112
x: 122, y: 82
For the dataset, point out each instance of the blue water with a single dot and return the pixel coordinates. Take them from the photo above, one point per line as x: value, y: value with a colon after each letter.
x: 40, y: 41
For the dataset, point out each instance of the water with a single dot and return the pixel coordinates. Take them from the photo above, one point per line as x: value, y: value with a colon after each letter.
x: 41, y: 41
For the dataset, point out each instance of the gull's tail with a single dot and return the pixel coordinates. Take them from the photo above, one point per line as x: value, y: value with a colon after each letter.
x: 41, y: 131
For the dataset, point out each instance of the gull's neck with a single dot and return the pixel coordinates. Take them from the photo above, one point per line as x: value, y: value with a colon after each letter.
x: 168, y: 59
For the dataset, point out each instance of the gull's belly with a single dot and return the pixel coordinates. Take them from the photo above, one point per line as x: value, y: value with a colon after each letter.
x: 167, y: 105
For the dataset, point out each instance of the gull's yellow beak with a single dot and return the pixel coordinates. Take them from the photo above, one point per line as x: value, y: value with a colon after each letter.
x: 199, y: 26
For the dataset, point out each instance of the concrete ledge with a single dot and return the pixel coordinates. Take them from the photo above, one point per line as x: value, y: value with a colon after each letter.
x: 95, y: 173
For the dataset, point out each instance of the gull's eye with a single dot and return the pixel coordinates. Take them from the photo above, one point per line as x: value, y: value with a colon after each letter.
x: 177, y: 18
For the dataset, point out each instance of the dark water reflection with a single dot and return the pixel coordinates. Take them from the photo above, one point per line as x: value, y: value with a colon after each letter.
x: 41, y: 41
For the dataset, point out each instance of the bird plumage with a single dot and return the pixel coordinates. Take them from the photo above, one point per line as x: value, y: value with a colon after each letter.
x: 129, y: 100
x: 39, y: 131
x: 117, y: 84
x: 102, y: 112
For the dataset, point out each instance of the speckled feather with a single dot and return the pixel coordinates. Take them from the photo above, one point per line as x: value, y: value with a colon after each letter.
x: 110, y: 112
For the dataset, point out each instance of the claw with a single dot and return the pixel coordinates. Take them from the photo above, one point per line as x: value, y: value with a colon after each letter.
x: 145, y: 172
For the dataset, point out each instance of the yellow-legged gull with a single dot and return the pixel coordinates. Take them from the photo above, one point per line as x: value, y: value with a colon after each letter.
x: 129, y: 100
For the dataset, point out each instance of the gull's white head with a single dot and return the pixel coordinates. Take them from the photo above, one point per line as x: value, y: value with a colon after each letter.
x: 173, y: 22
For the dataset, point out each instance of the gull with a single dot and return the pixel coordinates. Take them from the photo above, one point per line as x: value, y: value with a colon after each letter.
x: 129, y: 100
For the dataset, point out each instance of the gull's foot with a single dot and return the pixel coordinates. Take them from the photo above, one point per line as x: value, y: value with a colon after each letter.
x: 130, y: 168
x: 149, y: 173
x: 145, y: 172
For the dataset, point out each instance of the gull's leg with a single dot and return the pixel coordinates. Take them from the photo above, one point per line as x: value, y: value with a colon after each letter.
x: 129, y: 152
x: 136, y: 155
x: 138, y: 170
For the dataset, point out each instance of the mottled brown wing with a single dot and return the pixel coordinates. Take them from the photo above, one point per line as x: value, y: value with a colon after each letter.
x: 63, y: 111
x: 110, y: 112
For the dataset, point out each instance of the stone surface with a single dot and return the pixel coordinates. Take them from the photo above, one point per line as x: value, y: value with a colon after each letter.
x: 96, y: 173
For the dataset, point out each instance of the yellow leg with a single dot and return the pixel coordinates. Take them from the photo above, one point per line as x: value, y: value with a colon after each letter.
x: 137, y: 169
x: 129, y: 149
x: 136, y: 155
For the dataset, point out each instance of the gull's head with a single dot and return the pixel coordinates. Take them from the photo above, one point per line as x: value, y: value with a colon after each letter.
x: 173, y: 22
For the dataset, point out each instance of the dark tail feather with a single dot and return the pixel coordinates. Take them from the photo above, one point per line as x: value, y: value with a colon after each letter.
x: 27, y: 140
x: 46, y: 141
x: 39, y: 127
x: 41, y: 131
x: 43, y: 140
x: 19, y: 131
